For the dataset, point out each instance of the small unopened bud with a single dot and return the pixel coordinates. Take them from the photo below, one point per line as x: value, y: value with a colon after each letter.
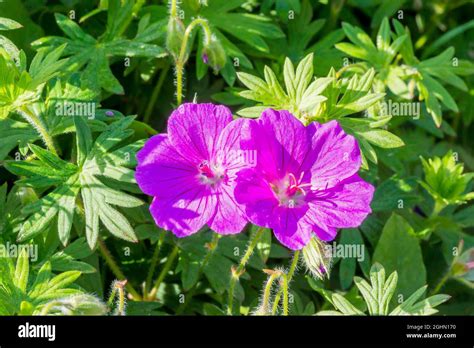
x: 175, y: 35
x: 213, y: 54
x: 464, y: 266
x: 317, y: 258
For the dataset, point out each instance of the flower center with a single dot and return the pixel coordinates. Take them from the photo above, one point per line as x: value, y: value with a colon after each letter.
x: 290, y: 191
x: 211, y: 174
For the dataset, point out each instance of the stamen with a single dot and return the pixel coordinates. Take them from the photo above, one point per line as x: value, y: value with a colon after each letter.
x: 205, y: 169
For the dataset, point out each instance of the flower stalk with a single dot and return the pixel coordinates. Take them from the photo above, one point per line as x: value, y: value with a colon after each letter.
x: 104, y: 251
x: 284, y: 290
x: 164, y: 272
x: 237, y: 272
x: 153, y: 263
x: 183, y: 55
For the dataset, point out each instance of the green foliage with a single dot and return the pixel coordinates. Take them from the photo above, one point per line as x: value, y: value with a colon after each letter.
x: 445, y: 182
x: 92, y: 55
x: 399, y: 77
x: 399, y: 250
x: 67, y: 181
x: 19, y: 295
x: 379, y: 292
x: 322, y: 100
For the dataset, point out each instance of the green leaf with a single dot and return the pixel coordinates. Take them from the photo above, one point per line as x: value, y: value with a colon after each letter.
x: 347, y: 266
x: 381, y: 138
x: 22, y: 271
x: 83, y: 139
x: 116, y: 223
x: 400, y: 251
x: 424, y: 307
x: 67, y: 205
x: 345, y: 306
x: 91, y: 210
x: 9, y: 24
x: 190, y: 271
x: 91, y: 56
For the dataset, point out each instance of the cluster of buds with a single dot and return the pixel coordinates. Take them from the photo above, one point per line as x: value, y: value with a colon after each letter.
x: 213, y: 53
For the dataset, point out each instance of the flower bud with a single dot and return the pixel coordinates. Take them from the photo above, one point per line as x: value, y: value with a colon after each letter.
x: 464, y: 266
x: 174, y: 38
x: 213, y: 54
x: 317, y: 258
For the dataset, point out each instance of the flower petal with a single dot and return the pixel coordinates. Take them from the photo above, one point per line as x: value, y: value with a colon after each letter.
x: 256, y: 195
x: 344, y: 206
x: 335, y: 155
x: 281, y: 142
x: 229, y: 217
x: 186, y: 213
x: 229, y: 152
x: 161, y: 171
x: 195, y: 128
x: 325, y: 233
x: 290, y: 228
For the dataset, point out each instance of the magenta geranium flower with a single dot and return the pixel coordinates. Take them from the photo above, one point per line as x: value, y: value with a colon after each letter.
x: 305, y: 179
x: 191, y: 171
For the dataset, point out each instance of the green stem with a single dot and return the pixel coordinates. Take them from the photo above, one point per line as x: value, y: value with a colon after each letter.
x: 441, y: 283
x: 156, y: 93
x: 182, y: 53
x: 116, y: 269
x: 174, y: 8
x: 110, y: 301
x: 121, y: 302
x: 448, y: 274
x: 192, y: 291
x: 285, y: 294
x: 291, y: 272
x: 268, y: 291
x: 164, y: 272
x: 154, y: 261
x: 438, y: 207
x: 240, y: 268
x: 40, y: 127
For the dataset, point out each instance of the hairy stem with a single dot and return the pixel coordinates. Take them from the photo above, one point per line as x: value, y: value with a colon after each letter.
x: 182, y: 53
x: 164, y: 272
x: 40, y: 127
x: 290, y: 274
x: 174, y: 8
x: 285, y: 293
x: 121, y: 301
x: 116, y: 269
x: 236, y: 273
x: 267, y: 292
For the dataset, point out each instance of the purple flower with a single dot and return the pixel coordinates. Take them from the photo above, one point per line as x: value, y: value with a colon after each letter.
x: 191, y: 171
x: 305, y: 179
